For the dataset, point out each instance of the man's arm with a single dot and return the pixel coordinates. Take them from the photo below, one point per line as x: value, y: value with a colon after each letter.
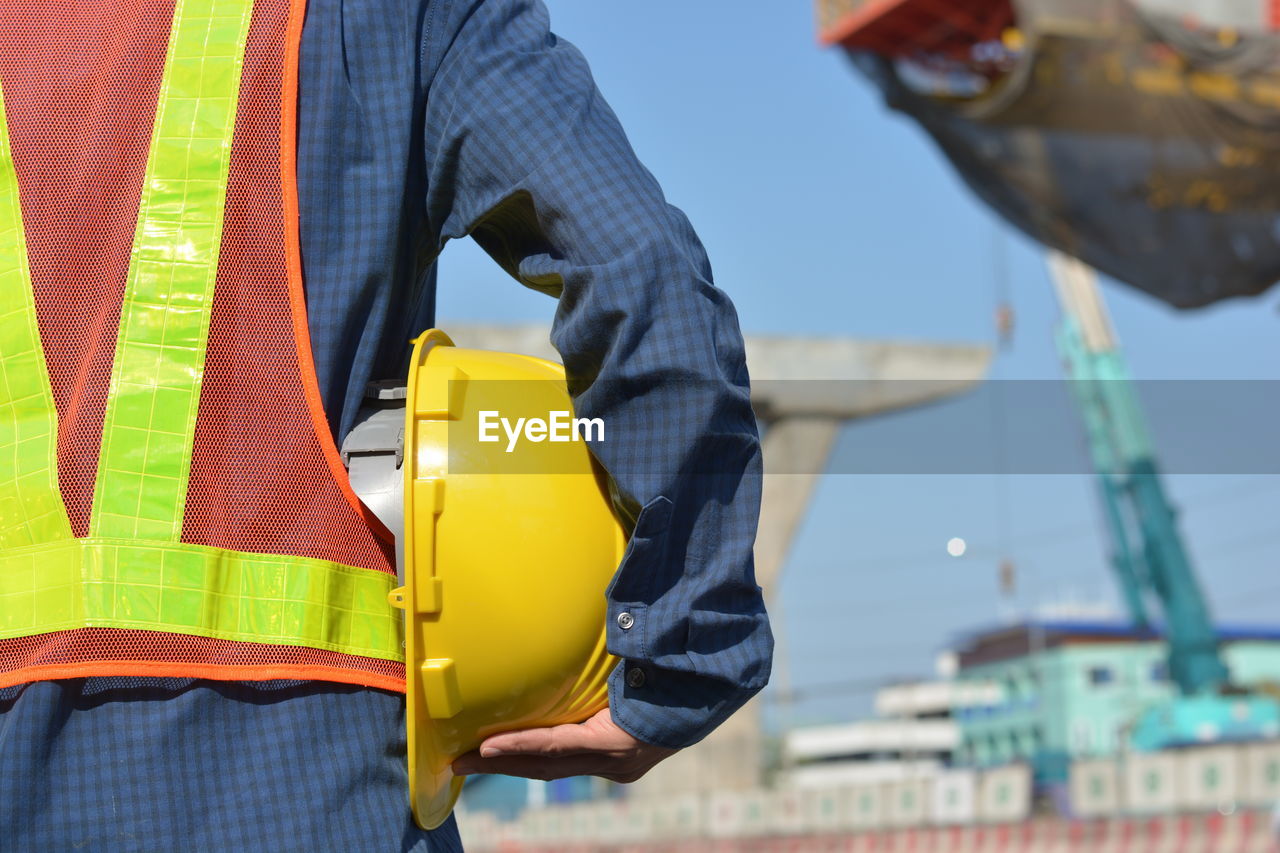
x: 523, y: 153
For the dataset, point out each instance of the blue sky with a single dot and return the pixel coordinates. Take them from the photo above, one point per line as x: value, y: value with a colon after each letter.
x: 824, y: 214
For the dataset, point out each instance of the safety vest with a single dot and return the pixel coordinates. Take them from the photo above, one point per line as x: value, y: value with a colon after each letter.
x: 171, y: 500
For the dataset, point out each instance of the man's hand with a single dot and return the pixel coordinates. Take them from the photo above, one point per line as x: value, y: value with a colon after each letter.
x: 594, y: 748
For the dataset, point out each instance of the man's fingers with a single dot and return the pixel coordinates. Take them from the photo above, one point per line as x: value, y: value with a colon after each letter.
x: 555, y: 741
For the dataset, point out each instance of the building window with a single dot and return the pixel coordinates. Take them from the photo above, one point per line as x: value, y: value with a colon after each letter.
x: 1101, y: 675
x: 1160, y: 672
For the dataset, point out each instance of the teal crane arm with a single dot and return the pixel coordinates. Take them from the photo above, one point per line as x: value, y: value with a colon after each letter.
x: 1135, y: 503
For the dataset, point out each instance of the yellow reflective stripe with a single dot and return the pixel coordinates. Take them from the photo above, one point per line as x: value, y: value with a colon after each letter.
x: 31, y: 508
x: 150, y: 418
x: 198, y: 590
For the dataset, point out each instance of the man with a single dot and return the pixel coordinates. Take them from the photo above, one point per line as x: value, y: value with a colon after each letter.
x: 417, y: 122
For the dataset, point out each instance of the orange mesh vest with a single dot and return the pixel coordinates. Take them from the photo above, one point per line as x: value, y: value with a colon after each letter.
x: 171, y: 502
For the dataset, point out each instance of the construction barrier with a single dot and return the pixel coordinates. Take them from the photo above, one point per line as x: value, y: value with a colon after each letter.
x: 1262, y: 773
x: 1004, y: 795
x: 1095, y: 788
x: 678, y: 817
x: 955, y: 797
x: 823, y: 810
x: 907, y: 803
x: 1221, y: 778
x: 1211, y: 778
x: 737, y: 814
x: 1242, y: 832
x: 863, y: 807
x: 1195, y: 800
x: 1151, y: 782
x: 786, y: 813
x: 997, y: 796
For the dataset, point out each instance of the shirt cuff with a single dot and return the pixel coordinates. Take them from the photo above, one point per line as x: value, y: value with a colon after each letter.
x: 668, y: 708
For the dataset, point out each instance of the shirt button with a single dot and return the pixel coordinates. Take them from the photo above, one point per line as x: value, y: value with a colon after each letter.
x: 626, y: 620
x: 635, y: 677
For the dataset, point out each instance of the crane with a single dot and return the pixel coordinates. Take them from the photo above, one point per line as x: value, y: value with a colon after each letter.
x: 1148, y: 555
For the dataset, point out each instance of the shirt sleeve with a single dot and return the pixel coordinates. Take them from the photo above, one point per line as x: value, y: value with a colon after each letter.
x: 523, y: 154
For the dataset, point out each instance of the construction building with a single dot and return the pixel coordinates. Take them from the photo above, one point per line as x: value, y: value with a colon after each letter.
x: 914, y: 735
x: 1043, y: 693
x: 1073, y: 690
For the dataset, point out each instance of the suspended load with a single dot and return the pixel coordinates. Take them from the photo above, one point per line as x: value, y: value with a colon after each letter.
x: 1142, y: 138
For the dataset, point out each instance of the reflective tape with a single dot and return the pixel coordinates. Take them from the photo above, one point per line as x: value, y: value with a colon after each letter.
x: 31, y: 508
x: 150, y: 417
x: 198, y: 590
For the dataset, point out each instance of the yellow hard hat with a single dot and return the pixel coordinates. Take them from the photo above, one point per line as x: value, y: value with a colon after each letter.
x: 509, y: 547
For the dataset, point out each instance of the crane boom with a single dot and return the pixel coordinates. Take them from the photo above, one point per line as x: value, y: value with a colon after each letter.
x: 1148, y: 552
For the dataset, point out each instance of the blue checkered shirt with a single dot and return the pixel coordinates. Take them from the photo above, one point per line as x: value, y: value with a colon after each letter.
x: 422, y: 121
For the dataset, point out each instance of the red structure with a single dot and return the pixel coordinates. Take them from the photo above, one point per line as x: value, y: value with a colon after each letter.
x: 910, y: 27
